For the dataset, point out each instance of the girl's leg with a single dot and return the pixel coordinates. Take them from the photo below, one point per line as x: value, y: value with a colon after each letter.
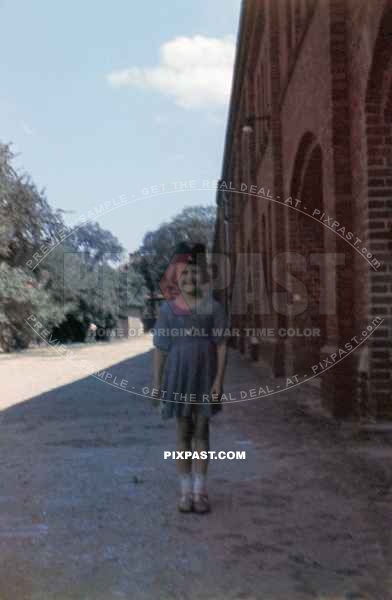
x: 184, y: 466
x: 201, y: 443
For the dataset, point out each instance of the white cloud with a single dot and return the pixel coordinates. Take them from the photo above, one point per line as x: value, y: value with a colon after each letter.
x: 195, y: 71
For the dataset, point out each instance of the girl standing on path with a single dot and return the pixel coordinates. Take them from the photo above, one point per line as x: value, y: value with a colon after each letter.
x: 189, y: 362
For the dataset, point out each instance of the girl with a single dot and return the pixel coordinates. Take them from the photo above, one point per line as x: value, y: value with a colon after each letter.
x: 189, y: 362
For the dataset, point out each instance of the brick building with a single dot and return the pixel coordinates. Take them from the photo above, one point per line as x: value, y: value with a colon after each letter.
x: 310, y: 119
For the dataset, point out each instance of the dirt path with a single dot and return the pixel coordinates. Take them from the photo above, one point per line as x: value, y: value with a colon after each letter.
x: 88, y: 502
x: 38, y: 370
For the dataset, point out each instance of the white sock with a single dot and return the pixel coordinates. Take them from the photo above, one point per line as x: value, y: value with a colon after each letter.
x: 200, y: 484
x: 185, y: 483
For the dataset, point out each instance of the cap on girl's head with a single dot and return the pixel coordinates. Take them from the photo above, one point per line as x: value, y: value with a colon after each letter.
x: 191, y: 252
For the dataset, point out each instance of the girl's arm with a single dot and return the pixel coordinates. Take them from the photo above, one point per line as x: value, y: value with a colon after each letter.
x: 158, y: 367
x: 221, y: 362
x: 221, y: 339
x: 162, y: 343
x: 216, y: 390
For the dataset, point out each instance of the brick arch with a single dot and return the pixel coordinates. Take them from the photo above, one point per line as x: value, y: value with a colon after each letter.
x: 306, y: 144
x: 307, y: 186
x: 380, y: 71
x: 307, y: 238
x: 378, y: 110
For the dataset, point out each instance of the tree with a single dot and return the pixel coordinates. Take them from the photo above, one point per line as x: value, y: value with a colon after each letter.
x: 78, y: 280
x: 82, y: 277
x: 26, y: 221
x: 96, y: 244
x: 21, y: 297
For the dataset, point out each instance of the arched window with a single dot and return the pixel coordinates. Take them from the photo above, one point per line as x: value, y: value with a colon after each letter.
x: 306, y: 239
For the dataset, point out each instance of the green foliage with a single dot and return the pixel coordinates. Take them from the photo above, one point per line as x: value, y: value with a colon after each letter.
x: 20, y: 297
x: 78, y: 282
x: 96, y: 244
x: 26, y: 219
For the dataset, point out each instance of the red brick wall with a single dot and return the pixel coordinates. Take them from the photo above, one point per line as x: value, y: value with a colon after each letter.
x: 322, y: 74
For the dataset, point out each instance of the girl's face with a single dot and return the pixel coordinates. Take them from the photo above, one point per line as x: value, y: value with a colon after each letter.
x: 191, y: 280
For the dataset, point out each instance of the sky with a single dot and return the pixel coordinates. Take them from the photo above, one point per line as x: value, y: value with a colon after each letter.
x: 101, y: 100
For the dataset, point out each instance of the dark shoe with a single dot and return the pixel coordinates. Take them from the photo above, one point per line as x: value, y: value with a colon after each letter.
x: 201, y: 504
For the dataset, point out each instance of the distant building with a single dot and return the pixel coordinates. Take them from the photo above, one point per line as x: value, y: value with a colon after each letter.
x: 310, y: 118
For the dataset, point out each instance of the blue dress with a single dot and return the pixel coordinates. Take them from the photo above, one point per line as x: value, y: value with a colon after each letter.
x: 190, y: 341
